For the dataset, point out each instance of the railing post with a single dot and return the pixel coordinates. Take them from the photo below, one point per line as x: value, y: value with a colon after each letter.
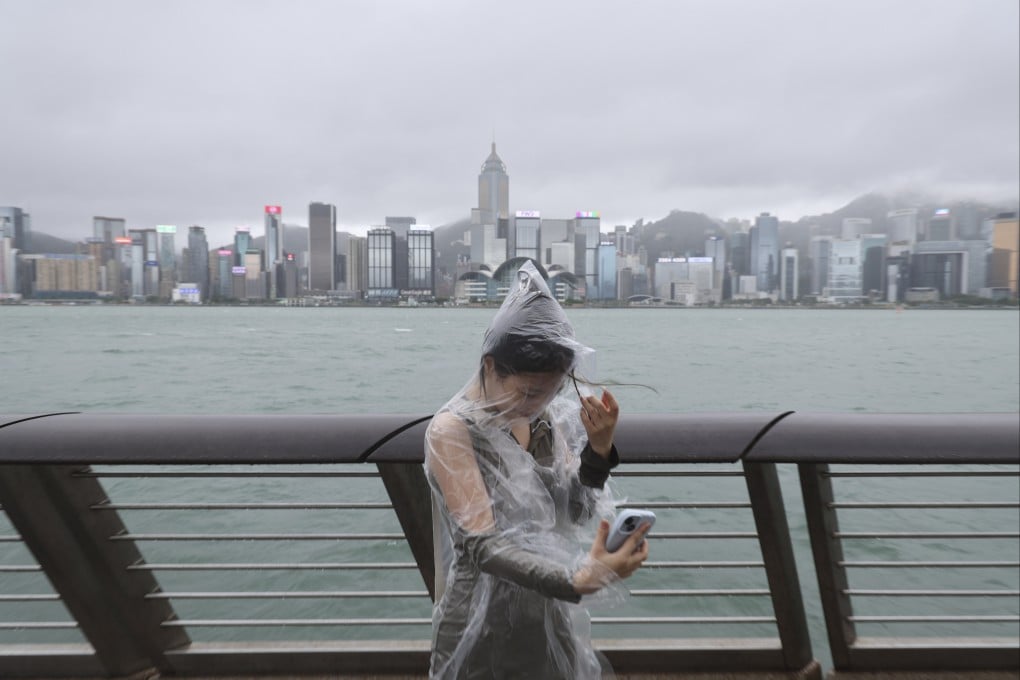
x: 780, y: 566
x: 50, y: 508
x: 412, y: 501
x: 827, y: 550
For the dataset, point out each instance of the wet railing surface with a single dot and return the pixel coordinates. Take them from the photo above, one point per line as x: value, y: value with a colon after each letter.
x: 231, y: 545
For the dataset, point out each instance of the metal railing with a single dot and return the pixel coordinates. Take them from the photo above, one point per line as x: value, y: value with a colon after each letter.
x: 151, y: 542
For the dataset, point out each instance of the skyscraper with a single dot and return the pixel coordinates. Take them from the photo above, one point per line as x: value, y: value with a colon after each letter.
x: 1005, y: 259
x: 274, y: 245
x: 901, y: 225
x: 587, y: 236
x: 198, y: 256
x: 820, y: 251
x: 526, y: 234
x: 493, y: 191
x: 421, y: 256
x: 321, y: 246
x: 400, y: 226
x: 381, y: 275
x: 242, y: 242
x: 16, y: 224
x: 788, y: 275
x: 765, y: 252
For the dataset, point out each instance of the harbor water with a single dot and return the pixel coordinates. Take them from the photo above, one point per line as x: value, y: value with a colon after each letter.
x: 250, y: 360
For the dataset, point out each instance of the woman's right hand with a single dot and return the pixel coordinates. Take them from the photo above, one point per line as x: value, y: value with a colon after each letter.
x: 603, y: 566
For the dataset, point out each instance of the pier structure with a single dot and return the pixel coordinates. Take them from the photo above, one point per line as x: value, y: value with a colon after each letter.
x: 93, y: 585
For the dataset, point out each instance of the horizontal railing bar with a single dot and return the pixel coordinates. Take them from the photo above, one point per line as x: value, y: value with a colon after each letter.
x: 705, y: 534
x: 921, y: 473
x: 382, y: 537
x: 38, y: 625
x: 931, y: 593
x: 257, y: 537
x: 270, y: 567
x: 614, y: 620
x: 934, y: 619
x: 10, y: 539
x: 870, y: 564
x: 177, y: 566
x: 158, y: 474
x: 925, y: 534
x: 18, y: 568
x: 686, y: 505
x: 30, y: 598
x: 242, y: 506
x: 703, y: 565
x: 248, y: 623
x: 701, y: 593
x: 677, y: 473
x: 923, y: 505
x: 287, y: 595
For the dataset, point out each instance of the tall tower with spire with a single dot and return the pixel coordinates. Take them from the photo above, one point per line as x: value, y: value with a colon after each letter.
x: 493, y: 191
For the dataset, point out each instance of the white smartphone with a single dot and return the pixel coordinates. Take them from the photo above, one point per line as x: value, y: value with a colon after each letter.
x: 626, y: 523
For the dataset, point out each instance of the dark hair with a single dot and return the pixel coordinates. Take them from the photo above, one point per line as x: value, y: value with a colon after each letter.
x: 523, y: 354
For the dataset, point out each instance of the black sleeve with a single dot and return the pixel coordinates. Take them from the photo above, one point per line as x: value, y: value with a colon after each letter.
x: 595, y: 469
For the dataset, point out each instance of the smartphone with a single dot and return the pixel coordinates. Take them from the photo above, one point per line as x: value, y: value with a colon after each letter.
x: 626, y: 523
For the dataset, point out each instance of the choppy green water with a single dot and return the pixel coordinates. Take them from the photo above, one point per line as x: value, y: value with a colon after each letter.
x: 262, y: 360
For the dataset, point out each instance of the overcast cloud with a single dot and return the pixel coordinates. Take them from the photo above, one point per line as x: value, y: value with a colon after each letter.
x: 203, y: 112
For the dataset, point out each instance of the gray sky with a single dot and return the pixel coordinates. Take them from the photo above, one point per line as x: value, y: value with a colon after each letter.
x: 203, y: 112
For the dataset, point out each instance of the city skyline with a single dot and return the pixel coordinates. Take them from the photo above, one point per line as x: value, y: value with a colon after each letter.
x: 689, y: 106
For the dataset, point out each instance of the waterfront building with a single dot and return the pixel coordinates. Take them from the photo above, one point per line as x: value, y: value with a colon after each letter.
x: 764, y: 248
x: 715, y: 248
x: 1004, y: 264
x: 940, y: 226
x: 526, y: 231
x: 381, y: 274
x: 62, y: 275
x: 256, y: 279
x: 559, y: 254
x: 420, y: 263
x: 845, y: 284
x: 16, y: 224
x: 167, y: 259
x: 8, y: 268
x: 587, y: 236
x: 789, y: 275
x: 224, y: 285
x: 242, y: 242
x: 400, y: 226
x: 897, y: 271
x: 357, y: 265
x: 901, y: 225
x: 607, y: 277
x: 696, y: 271
x: 493, y: 191
x: 274, y: 245
x: 853, y: 227
x: 321, y: 247
x: 819, y: 254
x: 290, y: 278
x: 198, y: 260
x: 950, y: 267
x: 487, y: 248
x: 740, y: 253
x: 873, y: 264
x: 106, y: 229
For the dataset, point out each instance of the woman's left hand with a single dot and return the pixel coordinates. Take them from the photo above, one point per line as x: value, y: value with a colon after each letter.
x: 599, y: 418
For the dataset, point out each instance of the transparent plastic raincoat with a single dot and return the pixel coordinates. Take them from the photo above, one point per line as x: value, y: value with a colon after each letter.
x: 511, y: 517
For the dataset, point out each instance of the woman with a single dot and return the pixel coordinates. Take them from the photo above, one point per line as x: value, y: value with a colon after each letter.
x: 517, y: 467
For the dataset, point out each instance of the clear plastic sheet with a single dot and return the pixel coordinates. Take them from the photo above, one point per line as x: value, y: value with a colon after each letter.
x: 517, y: 491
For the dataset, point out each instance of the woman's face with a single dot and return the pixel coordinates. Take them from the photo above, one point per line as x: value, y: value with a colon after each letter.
x: 520, y: 395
